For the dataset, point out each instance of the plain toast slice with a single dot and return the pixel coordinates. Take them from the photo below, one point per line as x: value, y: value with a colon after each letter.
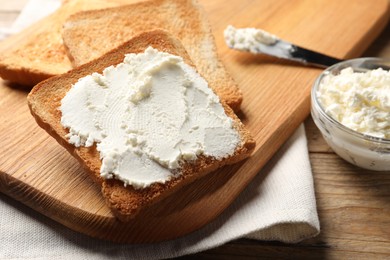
x: 37, y: 52
x: 125, y: 202
x: 88, y: 35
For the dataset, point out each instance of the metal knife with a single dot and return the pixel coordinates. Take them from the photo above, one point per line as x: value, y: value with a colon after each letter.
x: 259, y: 41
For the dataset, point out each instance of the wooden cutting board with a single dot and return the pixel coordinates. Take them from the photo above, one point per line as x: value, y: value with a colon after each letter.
x: 37, y: 171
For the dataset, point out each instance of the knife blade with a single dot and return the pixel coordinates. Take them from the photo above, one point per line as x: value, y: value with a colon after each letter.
x: 259, y: 41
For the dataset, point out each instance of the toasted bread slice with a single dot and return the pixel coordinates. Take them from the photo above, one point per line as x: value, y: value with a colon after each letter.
x: 125, y: 202
x: 37, y: 52
x: 88, y: 35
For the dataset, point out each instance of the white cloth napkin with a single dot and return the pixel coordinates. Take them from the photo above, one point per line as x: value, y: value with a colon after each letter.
x: 31, y: 13
x: 279, y: 204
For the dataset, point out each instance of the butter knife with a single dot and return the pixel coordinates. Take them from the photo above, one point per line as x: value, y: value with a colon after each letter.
x: 259, y: 41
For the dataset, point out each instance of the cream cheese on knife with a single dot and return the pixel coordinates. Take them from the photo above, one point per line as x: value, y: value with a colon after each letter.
x: 258, y: 41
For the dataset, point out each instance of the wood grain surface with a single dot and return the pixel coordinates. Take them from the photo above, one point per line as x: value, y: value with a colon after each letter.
x: 38, y: 172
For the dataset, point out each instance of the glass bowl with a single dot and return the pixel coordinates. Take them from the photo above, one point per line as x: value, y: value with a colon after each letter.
x: 362, y: 150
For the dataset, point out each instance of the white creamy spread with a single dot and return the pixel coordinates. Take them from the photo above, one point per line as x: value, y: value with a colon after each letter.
x: 247, y: 38
x: 257, y: 41
x: 358, y: 100
x: 146, y: 116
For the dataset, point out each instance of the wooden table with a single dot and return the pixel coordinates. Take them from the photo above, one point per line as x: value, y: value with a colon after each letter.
x: 353, y: 204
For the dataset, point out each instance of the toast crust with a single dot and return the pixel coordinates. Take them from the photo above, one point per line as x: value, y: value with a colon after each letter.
x: 125, y: 202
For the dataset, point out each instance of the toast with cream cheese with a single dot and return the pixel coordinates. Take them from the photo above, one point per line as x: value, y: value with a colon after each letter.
x: 47, y: 100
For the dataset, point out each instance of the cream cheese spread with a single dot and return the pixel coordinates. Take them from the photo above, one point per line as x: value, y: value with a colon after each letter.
x: 358, y: 100
x: 146, y: 116
x: 257, y: 41
x: 247, y: 38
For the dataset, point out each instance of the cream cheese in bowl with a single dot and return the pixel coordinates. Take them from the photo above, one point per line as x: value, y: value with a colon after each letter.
x: 351, y: 107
